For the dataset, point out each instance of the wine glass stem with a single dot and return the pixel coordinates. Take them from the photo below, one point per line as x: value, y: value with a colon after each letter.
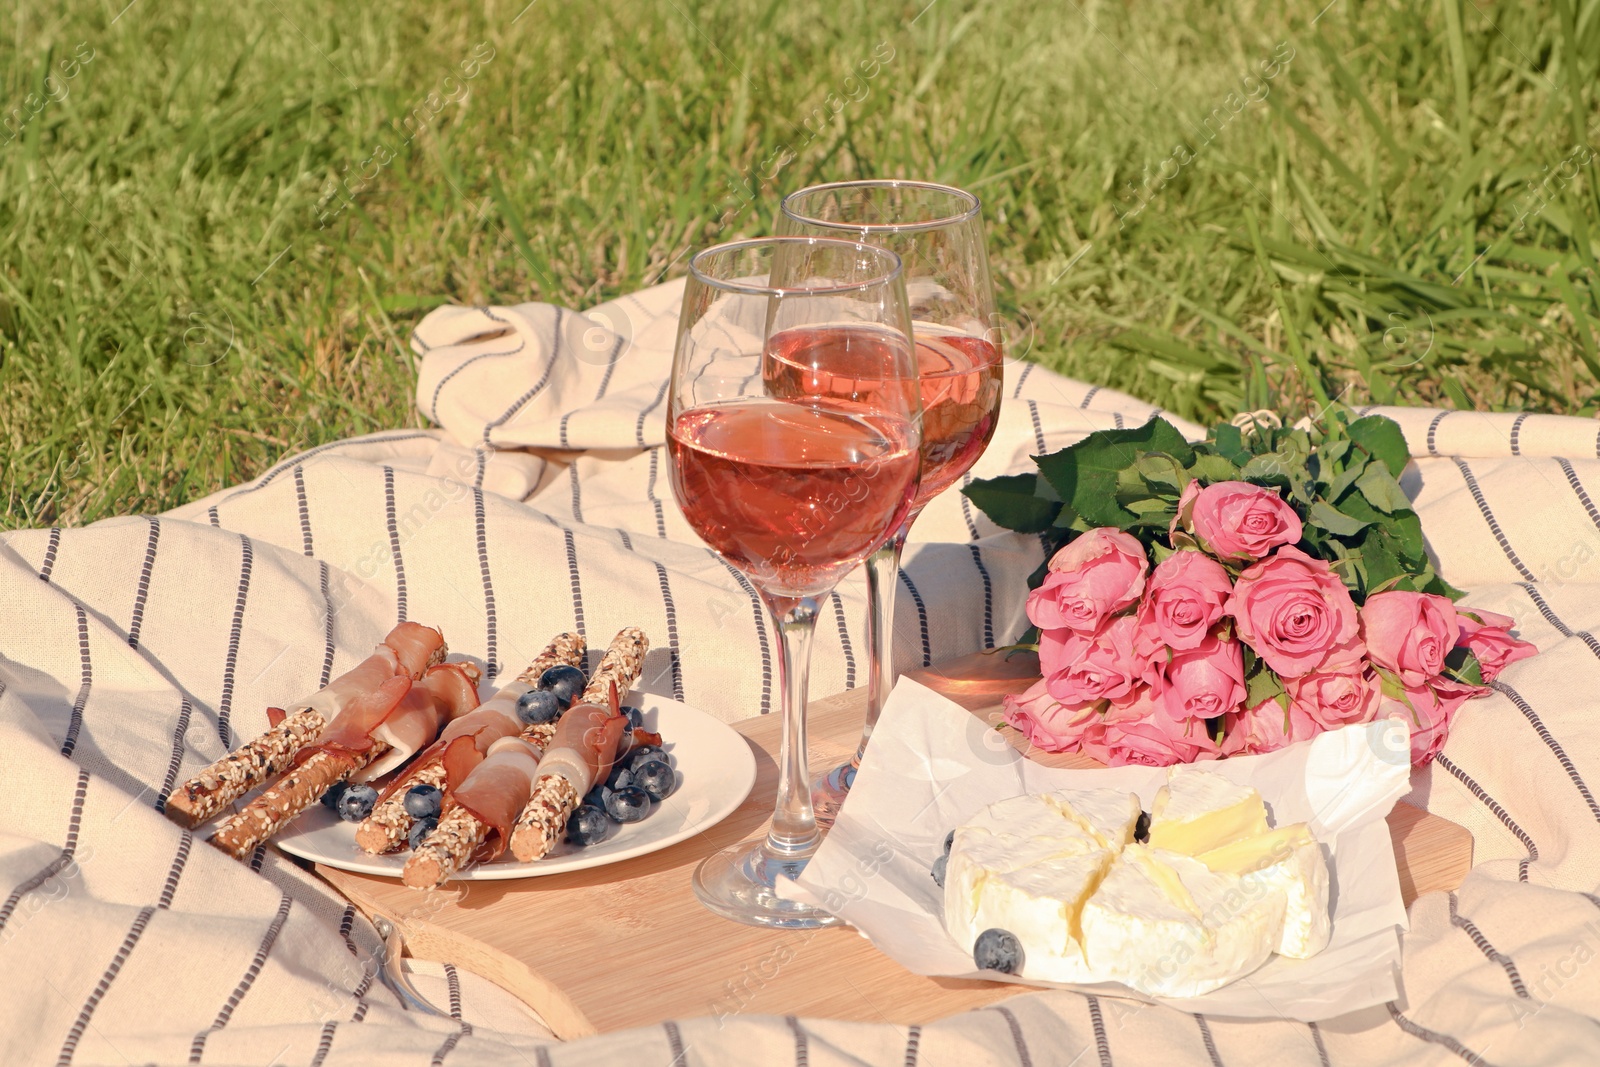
x: 883, y: 578
x: 794, y: 824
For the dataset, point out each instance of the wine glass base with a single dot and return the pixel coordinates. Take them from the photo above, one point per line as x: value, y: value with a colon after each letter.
x: 829, y: 791
x: 738, y: 883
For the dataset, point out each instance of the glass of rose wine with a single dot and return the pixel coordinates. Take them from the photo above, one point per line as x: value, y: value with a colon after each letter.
x: 938, y: 233
x: 794, y: 433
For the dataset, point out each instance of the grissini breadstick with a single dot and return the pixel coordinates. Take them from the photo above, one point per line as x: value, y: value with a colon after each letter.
x: 408, y: 649
x: 287, y: 798
x: 462, y: 747
x: 246, y: 767
x: 484, y: 807
x: 579, y: 756
x: 363, y: 734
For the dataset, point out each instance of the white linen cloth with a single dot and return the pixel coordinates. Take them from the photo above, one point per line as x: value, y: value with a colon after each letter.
x: 136, y: 650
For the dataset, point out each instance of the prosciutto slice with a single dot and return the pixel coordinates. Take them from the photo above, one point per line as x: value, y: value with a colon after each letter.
x: 445, y: 693
x: 496, y: 790
x: 585, y: 745
x: 466, y: 741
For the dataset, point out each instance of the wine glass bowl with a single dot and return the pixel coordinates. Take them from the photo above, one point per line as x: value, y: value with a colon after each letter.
x: 794, y: 438
x: 937, y: 231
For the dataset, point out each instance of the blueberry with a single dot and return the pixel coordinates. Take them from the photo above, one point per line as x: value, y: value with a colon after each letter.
x: 939, y: 866
x: 635, y: 717
x: 848, y: 778
x: 330, y: 799
x: 655, y: 777
x: 619, y: 778
x: 596, y: 797
x: 420, y: 830
x: 565, y: 682
x: 949, y: 839
x: 538, y: 706
x: 998, y: 950
x: 422, y: 801
x: 1141, y: 829
x: 628, y: 805
x: 356, y: 803
x: 643, y: 754
x: 588, y: 826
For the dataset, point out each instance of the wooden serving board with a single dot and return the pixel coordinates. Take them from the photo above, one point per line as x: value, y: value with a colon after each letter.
x: 629, y: 944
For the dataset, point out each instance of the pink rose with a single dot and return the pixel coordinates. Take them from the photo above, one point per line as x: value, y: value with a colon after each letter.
x: 1409, y: 634
x: 1186, y: 594
x: 1202, y: 682
x: 1045, y: 721
x: 1095, y: 576
x: 1240, y: 521
x: 1431, y: 712
x: 1184, y: 519
x: 1266, y: 727
x: 1334, y: 698
x: 1132, y: 733
x: 1487, y: 635
x: 1295, y: 612
x: 1082, y: 668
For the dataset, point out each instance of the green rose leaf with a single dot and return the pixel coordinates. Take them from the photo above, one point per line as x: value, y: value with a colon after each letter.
x: 1335, y: 521
x: 1464, y: 665
x: 1229, y: 443
x: 1382, y: 437
x: 1341, y: 482
x: 1012, y: 502
x: 1262, y: 685
x: 1085, y: 474
x: 1158, y: 468
x: 1212, y: 468
x: 1381, y: 490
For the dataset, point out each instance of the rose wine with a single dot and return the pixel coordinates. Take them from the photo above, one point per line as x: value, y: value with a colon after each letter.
x: 960, y: 384
x: 793, y: 492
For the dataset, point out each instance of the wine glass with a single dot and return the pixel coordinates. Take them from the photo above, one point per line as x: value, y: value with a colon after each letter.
x: 938, y: 233
x: 794, y: 432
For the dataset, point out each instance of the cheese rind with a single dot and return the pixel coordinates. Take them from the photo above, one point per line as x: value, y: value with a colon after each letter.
x: 1197, y: 811
x: 1289, y: 861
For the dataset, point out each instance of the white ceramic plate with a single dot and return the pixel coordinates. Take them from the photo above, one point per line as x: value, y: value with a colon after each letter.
x: 716, y: 771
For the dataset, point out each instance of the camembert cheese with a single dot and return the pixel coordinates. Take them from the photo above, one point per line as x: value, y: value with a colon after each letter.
x: 1197, y: 811
x: 1208, y: 899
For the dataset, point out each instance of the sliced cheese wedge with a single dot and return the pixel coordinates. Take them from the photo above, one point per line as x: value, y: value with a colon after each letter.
x: 1167, y: 925
x: 1197, y: 811
x: 1026, y: 865
x: 1289, y: 861
x: 1040, y: 904
x: 1109, y: 814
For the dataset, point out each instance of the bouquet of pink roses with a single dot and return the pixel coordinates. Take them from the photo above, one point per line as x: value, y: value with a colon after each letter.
x: 1249, y: 592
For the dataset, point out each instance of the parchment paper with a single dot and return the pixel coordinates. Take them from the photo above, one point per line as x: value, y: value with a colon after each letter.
x: 932, y: 765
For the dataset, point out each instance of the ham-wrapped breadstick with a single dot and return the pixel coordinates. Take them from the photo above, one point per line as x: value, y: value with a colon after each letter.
x: 579, y: 756
x: 463, y: 746
x: 483, y: 808
x: 396, y: 713
x: 408, y: 650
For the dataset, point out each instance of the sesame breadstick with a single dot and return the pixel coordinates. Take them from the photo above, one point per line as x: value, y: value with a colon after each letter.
x: 244, y: 768
x: 288, y: 797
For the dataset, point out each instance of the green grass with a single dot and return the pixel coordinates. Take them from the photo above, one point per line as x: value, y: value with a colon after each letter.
x: 174, y: 316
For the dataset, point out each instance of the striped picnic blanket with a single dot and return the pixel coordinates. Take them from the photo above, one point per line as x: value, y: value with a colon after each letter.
x: 136, y: 650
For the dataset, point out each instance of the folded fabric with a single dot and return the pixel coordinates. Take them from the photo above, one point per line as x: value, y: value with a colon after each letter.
x: 136, y: 650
